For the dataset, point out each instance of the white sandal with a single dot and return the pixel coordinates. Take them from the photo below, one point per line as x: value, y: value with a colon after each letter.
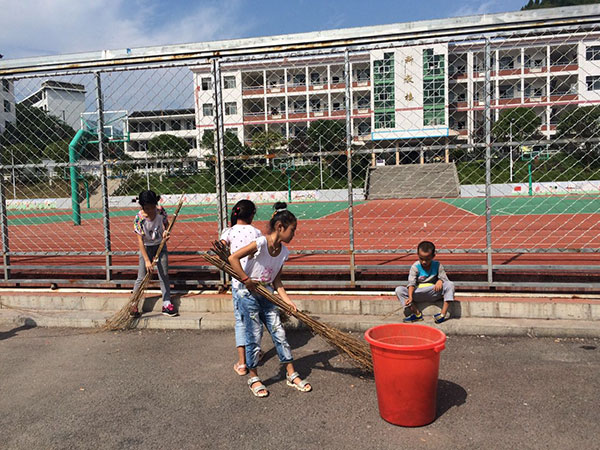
x: 303, y: 386
x: 256, y: 389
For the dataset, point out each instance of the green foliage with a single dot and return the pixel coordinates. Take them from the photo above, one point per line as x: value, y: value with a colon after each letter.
x: 525, y: 124
x: 168, y: 146
x: 582, y: 122
x: 57, y: 151
x: 327, y: 135
x: 267, y: 142
x: 537, y: 4
x: 34, y: 130
x: 330, y: 136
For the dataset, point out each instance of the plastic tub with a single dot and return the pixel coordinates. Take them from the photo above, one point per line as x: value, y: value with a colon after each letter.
x: 406, y: 361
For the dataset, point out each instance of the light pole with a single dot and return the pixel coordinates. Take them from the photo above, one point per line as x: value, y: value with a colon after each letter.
x: 511, y: 150
x: 320, y: 162
x: 14, y: 180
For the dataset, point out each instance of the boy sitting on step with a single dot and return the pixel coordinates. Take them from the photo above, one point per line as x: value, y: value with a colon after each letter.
x: 427, y: 281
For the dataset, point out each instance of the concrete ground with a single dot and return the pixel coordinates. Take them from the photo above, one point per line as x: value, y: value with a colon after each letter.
x: 176, y: 389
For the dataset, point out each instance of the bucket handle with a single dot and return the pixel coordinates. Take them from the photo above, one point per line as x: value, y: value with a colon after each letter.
x: 439, y: 348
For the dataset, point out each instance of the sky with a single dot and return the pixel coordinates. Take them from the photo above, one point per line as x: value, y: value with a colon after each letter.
x: 49, y: 27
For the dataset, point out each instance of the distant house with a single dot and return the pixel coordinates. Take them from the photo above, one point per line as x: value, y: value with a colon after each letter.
x: 144, y: 125
x: 60, y: 99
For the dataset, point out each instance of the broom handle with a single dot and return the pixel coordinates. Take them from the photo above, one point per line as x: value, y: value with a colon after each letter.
x: 164, y: 240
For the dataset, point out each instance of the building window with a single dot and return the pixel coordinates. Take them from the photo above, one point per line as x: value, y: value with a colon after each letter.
x: 505, y: 63
x: 593, y: 83
x: 299, y: 106
x: 230, y: 108
x: 315, y: 78
x: 189, y: 124
x: 592, y: 53
x: 299, y: 79
x: 363, y: 102
x: 315, y: 104
x: 362, y: 75
x: 207, y: 109
x: 229, y: 82
x: 232, y: 131
x: 384, y: 120
x: 6, y: 106
x: 176, y: 125
x: 6, y: 85
x: 206, y: 84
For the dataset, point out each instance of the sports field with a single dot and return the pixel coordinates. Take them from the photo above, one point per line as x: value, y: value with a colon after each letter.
x: 565, y: 222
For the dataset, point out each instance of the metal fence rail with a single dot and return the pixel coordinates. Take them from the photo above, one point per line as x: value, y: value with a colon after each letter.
x: 483, y: 138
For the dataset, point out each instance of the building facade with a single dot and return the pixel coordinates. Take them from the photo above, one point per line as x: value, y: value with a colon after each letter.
x: 407, y: 93
x: 7, y: 104
x: 65, y: 101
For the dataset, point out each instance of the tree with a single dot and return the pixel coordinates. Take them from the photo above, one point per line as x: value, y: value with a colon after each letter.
x: 518, y: 123
x: 327, y: 135
x: 582, y: 122
x: 267, y: 142
x: 233, y: 150
x: 330, y: 136
x: 35, y: 129
x: 168, y: 146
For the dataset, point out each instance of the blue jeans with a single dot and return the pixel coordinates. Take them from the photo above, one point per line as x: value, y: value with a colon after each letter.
x: 240, y: 329
x: 257, y: 310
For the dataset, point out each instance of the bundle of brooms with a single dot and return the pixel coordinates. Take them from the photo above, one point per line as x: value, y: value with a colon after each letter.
x: 124, y: 319
x: 358, y: 351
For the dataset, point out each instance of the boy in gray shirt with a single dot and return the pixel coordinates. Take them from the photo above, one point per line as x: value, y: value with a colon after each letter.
x: 427, y: 281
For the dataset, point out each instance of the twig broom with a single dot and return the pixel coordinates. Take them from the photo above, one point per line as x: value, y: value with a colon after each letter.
x: 122, y: 319
x: 358, y: 351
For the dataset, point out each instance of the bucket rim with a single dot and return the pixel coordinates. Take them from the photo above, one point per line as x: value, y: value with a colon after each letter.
x: 437, y: 345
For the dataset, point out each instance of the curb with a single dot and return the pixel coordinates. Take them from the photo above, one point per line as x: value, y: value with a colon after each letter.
x: 352, y: 323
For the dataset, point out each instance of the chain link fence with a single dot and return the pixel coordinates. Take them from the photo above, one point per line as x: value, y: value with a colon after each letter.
x: 486, y: 144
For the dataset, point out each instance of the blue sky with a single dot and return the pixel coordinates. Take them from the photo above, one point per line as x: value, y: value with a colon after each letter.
x: 49, y: 27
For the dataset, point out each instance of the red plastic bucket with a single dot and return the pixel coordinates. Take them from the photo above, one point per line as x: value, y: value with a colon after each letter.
x: 406, y: 361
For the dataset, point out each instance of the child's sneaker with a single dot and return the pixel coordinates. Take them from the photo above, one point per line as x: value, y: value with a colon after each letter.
x: 438, y: 318
x: 133, y: 312
x: 170, y: 310
x: 413, y: 318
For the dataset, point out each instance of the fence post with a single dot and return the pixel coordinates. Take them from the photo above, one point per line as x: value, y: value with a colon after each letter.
x: 4, y: 227
x: 219, y: 146
x: 104, y: 177
x: 488, y: 160
x: 348, y: 82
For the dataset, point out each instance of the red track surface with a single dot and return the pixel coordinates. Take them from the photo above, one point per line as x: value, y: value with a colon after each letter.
x: 379, y: 225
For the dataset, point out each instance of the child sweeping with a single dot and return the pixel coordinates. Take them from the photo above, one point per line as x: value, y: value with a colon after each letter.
x: 264, y: 267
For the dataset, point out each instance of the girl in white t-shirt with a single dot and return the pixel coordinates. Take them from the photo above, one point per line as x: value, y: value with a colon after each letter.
x: 239, y: 235
x: 264, y: 267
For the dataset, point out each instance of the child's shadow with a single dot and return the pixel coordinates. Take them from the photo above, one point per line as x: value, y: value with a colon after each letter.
x: 449, y: 394
x: 320, y: 360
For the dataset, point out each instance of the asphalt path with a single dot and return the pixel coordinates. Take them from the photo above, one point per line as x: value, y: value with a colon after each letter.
x: 74, y: 389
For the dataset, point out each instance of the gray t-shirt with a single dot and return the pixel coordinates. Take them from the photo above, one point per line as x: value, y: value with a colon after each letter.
x: 151, y: 230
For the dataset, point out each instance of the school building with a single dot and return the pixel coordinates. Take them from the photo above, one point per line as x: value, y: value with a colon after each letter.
x: 414, y: 93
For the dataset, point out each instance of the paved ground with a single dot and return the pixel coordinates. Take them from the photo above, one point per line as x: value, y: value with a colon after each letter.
x: 65, y: 388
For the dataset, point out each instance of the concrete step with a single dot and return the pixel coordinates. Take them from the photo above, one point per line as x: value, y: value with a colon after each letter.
x: 476, y: 305
x: 351, y: 323
x: 413, y: 181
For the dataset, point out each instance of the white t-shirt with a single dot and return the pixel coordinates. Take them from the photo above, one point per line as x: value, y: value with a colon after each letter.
x: 263, y: 267
x: 238, y: 236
